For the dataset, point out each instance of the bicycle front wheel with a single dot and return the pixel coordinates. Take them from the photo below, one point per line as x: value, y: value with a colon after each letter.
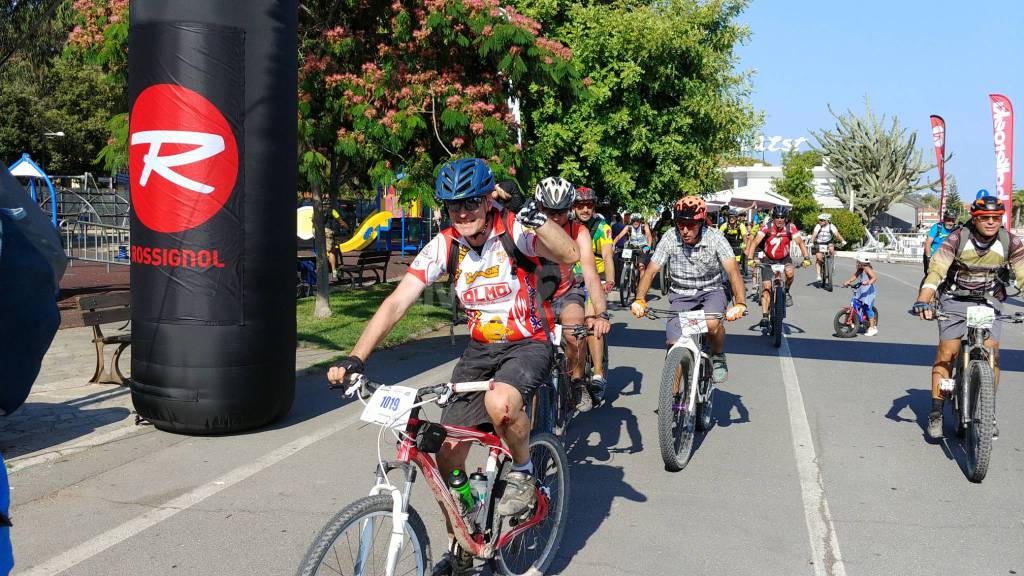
x: 356, y: 541
x: 676, y: 418
x: 845, y: 323
x: 532, y: 552
x: 981, y: 392
x: 778, y: 312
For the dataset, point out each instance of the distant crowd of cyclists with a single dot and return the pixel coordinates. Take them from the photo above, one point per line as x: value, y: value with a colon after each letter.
x: 503, y: 248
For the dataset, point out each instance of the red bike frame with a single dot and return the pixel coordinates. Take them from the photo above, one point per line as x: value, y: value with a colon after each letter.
x: 473, y: 543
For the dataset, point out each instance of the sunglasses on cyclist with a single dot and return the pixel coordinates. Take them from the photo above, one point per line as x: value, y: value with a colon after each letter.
x: 466, y: 204
x: 553, y: 212
x: 587, y: 204
x: 988, y: 217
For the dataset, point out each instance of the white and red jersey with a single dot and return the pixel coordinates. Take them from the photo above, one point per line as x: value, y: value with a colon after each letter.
x: 776, y: 240
x: 499, y: 304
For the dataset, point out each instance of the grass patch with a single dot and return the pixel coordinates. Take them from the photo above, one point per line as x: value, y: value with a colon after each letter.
x: 352, y: 309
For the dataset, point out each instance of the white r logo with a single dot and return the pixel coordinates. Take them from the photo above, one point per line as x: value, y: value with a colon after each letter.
x: 209, y: 145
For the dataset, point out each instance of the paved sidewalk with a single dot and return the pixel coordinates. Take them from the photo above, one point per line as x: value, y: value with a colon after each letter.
x: 65, y: 414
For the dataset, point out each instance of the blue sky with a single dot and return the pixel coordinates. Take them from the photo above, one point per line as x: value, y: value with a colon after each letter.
x: 909, y: 57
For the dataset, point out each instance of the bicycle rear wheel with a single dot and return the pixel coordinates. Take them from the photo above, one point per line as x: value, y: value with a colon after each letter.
x: 705, y: 419
x: 356, y: 541
x: 627, y: 275
x: 532, y: 552
x: 980, y: 391
x: 676, y: 419
x: 826, y: 273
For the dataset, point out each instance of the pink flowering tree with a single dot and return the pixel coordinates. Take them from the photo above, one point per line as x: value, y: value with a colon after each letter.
x: 401, y: 86
x: 100, y: 37
x: 389, y: 87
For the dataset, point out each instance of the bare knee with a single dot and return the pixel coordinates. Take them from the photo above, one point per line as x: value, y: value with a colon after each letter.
x: 503, y: 404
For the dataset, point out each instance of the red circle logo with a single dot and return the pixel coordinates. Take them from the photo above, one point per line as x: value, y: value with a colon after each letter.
x: 182, y: 158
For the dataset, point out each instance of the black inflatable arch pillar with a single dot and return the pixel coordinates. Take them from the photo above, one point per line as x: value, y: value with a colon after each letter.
x: 212, y: 165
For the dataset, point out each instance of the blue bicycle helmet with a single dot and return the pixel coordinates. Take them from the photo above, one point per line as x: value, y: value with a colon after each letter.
x: 464, y: 178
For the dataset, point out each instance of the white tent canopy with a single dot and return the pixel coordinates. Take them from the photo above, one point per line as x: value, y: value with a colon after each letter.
x: 747, y: 196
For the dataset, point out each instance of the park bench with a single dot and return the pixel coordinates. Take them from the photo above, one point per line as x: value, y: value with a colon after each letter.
x: 107, y: 309
x: 375, y: 261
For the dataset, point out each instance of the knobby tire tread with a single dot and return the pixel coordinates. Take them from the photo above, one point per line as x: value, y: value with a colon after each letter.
x: 541, y: 565
x: 675, y: 460
x: 980, y: 382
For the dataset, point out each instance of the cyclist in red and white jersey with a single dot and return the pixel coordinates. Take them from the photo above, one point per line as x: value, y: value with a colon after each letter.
x: 507, y: 340
x: 777, y: 235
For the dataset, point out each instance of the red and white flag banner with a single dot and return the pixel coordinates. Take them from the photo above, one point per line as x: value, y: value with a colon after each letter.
x: 939, y: 139
x: 1002, y: 128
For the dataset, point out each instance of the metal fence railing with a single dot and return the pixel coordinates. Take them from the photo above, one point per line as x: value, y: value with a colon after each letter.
x: 96, y: 242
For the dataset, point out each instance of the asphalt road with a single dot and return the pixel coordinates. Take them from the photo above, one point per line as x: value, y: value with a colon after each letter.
x: 817, y: 465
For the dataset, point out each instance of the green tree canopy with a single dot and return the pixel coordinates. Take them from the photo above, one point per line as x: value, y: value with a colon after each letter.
x: 665, y: 103
x: 797, y: 185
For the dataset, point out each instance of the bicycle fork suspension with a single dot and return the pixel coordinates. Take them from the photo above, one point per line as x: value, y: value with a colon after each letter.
x: 399, y: 515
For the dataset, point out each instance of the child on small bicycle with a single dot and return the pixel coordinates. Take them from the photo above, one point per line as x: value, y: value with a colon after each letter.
x: 865, y: 275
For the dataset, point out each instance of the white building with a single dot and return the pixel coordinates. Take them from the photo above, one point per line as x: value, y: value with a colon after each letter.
x: 746, y: 185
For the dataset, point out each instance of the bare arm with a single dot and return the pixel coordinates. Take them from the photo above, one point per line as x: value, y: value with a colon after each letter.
x: 555, y: 245
x: 590, y: 277
x: 872, y: 277
x: 390, y: 312
x: 732, y: 268
x: 753, y: 244
x: 608, y: 255
x: 645, y: 281
x: 802, y: 246
x: 650, y: 237
x: 621, y: 234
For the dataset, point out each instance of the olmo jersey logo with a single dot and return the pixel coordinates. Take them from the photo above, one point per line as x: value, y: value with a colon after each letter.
x: 182, y: 156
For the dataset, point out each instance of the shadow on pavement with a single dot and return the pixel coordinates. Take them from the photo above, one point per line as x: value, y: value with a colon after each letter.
x: 41, y: 425
x: 596, y: 486
x: 920, y: 403
x: 725, y: 403
x: 391, y: 366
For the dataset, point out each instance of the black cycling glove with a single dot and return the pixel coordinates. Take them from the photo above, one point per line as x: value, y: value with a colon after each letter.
x: 351, y: 364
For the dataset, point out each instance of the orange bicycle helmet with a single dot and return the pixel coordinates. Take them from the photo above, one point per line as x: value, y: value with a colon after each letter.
x: 690, y: 208
x: 988, y: 205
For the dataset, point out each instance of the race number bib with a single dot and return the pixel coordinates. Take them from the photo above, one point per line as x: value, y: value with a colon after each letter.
x: 692, y: 322
x: 980, y: 316
x: 389, y: 406
x: 627, y: 253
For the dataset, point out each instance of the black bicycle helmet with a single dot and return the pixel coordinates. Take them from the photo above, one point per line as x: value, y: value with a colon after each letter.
x: 949, y: 215
x: 780, y: 212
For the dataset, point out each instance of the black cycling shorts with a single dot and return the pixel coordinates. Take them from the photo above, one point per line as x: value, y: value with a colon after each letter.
x: 523, y: 364
x: 766, y: 267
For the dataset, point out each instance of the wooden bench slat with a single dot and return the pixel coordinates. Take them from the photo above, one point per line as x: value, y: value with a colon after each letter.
x: 108, y: 300
x: 96, y: 317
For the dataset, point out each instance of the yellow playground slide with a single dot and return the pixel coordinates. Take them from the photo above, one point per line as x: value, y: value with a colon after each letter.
x: 367, y: 233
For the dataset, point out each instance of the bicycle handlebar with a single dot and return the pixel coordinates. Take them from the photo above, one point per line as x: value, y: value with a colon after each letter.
x: 654, y: 314
x: 360, y: 383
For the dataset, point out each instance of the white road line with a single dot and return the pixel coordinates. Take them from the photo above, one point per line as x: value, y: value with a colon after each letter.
x: 824, y: 544
x: 158, y: 514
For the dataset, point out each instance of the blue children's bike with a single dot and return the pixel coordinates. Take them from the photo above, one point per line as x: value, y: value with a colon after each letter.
x: 853, y: 318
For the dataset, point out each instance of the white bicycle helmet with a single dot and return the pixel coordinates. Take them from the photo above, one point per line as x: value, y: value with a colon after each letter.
x: 555, y: 193
x: 862, y: 257
x: 825, y: 217
x: 636, y: 216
